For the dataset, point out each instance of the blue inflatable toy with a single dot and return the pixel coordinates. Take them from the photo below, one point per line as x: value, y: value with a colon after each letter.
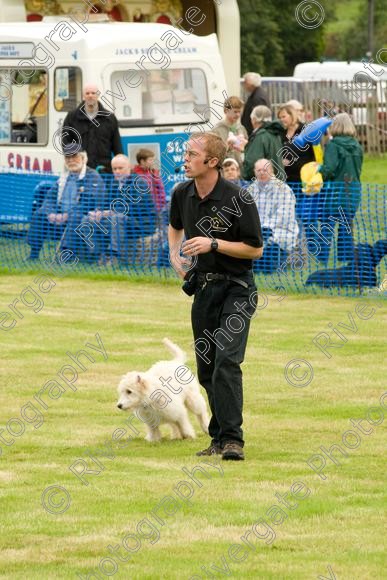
x: 313, y: 133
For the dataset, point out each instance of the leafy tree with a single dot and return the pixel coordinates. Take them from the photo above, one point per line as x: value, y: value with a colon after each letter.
x: 355, y: 42
x: 273, y: 40
x: 261, y: 45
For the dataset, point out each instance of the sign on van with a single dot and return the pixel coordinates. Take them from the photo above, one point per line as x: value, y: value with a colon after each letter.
x: 17, y: 50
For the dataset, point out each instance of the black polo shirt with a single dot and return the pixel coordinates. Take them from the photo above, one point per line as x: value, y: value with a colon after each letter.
x: 228, y: 212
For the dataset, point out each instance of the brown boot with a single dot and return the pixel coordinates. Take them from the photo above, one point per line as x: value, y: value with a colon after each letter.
x: 211, y: 450
x: 233, y: 451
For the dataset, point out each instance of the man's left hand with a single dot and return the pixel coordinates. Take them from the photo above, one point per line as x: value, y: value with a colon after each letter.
x: 198, y: 245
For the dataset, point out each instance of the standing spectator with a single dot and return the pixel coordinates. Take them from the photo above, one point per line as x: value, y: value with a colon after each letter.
x: 79, y: 191
x: 276, y: 207
x: 265, y: 142
x: 223, y: 282
x: 295, y: 157
x: 343, y: 160
x: 96, y: 127
x: 230, y: 130
x: 146, y: 167
x: 299, y: 108
x: 307, y: 206
x: 257, y: 96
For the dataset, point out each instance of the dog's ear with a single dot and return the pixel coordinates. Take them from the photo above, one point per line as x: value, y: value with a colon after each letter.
x: 141, y: 382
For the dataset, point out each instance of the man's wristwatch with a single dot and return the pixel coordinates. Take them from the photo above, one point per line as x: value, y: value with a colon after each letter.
x: 214, y: 245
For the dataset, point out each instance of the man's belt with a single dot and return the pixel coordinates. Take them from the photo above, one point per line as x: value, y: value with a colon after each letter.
x: 204, y: 277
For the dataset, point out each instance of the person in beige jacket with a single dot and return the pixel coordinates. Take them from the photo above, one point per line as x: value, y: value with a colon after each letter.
x: 231, y: 131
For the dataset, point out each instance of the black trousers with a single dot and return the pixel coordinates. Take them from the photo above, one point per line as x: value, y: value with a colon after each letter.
x: 221, y: 314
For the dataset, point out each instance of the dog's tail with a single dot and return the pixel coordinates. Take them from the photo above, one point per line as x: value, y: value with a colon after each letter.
x: 179, y: 355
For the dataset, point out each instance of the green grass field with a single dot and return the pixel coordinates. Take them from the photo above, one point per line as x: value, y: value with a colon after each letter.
x: 338, y: 526
x: 374, y: 169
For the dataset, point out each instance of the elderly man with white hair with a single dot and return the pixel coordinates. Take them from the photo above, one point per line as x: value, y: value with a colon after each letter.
x: 78, y: 191
x: 257, y: 96
x: 95, y: 129
x: 276, y: 205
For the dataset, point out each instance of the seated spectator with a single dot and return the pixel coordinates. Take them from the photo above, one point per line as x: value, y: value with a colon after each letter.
x: 276, y: 207
x: 230, y: 130
x: 146, y: 167
x: 78, y: 191
x: 129, y: 216
x: 265, y: 142
x: 232, y: 172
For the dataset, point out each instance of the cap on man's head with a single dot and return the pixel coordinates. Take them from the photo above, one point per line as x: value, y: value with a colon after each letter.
x: 230, y: 160
x: 72, y: 149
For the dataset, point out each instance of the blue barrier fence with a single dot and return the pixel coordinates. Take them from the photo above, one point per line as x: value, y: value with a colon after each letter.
x: 334, y: 240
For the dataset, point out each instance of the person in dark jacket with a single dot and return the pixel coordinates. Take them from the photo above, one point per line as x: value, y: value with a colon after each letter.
x: 295, y: 157
x: 257, y: 96
x: 343, y: 161
x: 265, y: 142
x: 95, y: 128
x: 78, y: 191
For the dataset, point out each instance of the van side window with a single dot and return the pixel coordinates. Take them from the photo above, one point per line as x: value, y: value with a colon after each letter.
x: 67, y: 88
x: 164, y: 97
x: 23, y: 106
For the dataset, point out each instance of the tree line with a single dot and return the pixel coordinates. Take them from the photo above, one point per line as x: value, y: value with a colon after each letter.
x: 275, y: 34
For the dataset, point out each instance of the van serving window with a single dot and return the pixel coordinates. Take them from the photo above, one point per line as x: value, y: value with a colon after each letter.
x: 165, y: 97
x: 67, y: 88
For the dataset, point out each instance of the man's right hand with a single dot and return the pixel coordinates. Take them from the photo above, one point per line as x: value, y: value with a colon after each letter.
x: 179, y: 263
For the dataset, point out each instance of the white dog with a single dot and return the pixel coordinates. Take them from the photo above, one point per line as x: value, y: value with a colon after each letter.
x: 162, y: 394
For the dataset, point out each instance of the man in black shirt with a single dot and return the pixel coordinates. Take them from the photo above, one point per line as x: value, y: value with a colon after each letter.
x: 223, y: 235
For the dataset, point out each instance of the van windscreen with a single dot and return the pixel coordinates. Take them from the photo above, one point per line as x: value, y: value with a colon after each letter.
x: 164, y: 97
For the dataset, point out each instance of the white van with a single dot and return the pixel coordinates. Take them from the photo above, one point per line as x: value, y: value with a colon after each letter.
x: 308, y: 92
x: 340, y: 71
x: 363, y: 77
x: 362, y: 81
